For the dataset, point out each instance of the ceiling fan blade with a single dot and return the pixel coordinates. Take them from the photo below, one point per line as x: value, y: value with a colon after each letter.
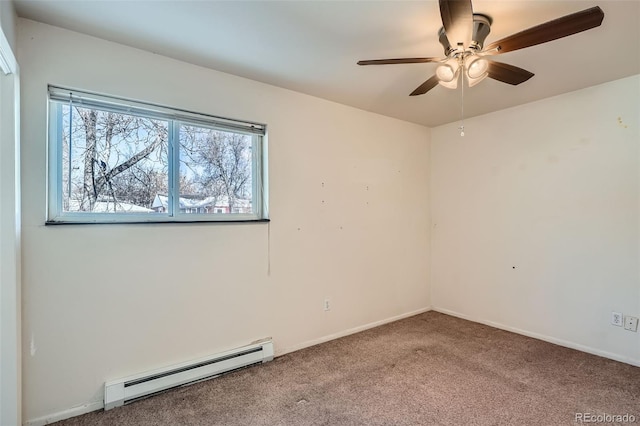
x: 551, y: 30
x: 457, y: 20
x: 426, y: 86
x: 508, y: 73
x: 398, y: 61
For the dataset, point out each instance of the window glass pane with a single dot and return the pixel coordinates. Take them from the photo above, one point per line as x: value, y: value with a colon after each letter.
x: 215, y: 171
x: 113, y: 162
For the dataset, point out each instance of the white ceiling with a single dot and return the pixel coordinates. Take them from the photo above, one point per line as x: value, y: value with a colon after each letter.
x: 312, y: 46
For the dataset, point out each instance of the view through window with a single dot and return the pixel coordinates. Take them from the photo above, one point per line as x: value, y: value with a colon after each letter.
x: 112, y: 161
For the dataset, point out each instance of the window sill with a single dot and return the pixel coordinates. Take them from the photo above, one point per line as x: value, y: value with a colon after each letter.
x: 163, y: 222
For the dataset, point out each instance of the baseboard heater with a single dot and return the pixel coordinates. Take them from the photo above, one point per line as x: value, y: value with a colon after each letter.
x: 122, y: 391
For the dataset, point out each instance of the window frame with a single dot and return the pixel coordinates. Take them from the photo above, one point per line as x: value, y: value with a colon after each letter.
x: 175, y: 118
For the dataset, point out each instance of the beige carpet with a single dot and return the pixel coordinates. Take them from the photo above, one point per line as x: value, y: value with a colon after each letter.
x: 430, y: 369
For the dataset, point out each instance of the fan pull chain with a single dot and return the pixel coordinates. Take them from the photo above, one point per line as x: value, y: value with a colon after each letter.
x: 462, y: 100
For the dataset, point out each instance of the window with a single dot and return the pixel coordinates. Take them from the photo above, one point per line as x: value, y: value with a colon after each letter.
x: 115, y: 160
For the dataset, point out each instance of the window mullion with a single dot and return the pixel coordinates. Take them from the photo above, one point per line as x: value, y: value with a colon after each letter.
x: 174, y: 168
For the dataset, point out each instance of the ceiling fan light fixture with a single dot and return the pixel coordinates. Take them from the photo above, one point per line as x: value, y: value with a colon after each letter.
x: 476, y: 66
x: 452, y: 83
x: 448, y: 72
x: 445, y: 73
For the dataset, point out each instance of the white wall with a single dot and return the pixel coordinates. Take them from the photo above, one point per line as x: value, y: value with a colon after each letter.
x: 350, y: 221
x: 10, y: 390
x: 551, y: 189
x: 8, y: 22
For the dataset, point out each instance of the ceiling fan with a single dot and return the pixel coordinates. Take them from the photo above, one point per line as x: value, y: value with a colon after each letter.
x: 463, y: 34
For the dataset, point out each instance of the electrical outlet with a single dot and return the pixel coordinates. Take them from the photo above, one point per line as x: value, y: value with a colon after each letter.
x: 616, y: 318
x: 631, y: 323
x: 327, y: 305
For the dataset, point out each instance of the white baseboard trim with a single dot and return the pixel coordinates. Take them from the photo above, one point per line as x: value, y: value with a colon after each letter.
x: 560, y: 342
x: 66, y: 414
x: 313, y: 342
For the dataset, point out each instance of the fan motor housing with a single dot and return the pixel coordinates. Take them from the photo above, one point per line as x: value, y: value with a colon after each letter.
x: 481, y: 29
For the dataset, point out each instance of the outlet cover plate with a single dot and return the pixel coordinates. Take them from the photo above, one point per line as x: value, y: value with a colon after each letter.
x: 616, y: 318
x: 631, y: 323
